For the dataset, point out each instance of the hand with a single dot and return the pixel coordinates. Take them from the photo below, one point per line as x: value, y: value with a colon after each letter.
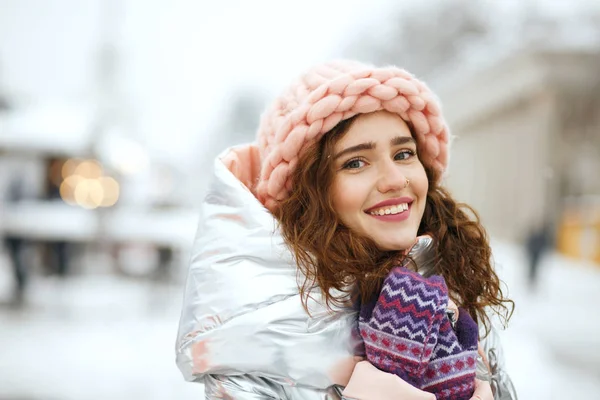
x: 483, y: 391
x: 341, y: 372
x: 368, y: 382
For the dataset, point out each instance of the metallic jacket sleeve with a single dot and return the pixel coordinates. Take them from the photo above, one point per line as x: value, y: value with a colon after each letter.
x: 243, y: 331
x: 501, y: 383
x: 247, y: 387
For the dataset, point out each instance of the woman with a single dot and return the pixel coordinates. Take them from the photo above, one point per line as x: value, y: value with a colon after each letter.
x: 300, y: 227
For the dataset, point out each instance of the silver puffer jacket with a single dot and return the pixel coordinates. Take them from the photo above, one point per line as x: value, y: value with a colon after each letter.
x: 243, y: 331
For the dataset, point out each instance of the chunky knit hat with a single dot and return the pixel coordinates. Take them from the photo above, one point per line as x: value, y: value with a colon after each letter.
x: 407, y: 332
x: 330, y: 93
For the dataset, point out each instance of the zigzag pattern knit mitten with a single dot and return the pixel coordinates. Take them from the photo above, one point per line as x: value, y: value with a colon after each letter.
x: 407, y: 332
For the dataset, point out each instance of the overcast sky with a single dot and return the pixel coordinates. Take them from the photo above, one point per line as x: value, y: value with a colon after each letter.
x: 179, y: 59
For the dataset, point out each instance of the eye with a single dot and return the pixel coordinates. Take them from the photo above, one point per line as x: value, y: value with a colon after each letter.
x: 404, y: 155
x: 354, y: 163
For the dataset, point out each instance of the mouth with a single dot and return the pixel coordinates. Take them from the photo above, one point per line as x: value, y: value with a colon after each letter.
x: 391, y: 210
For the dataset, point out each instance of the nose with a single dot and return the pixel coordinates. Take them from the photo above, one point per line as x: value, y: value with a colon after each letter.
x: 391, y: 177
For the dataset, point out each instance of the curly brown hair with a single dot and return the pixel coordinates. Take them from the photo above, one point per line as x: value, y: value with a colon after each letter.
x: 344, y: 264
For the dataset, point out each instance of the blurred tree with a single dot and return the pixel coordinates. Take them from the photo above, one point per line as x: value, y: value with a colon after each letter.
x: 237, y: 126
x: 425, y: 38
x: 4, y: 103
x: 446, y: 33
x: 241, y: 121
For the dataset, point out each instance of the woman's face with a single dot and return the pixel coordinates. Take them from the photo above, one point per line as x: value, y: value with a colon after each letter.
x: 373, y: 161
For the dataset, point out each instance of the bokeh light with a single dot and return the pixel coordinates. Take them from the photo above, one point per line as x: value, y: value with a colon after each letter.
x: 110, y: 191
x: 69, y: 166
x: 85, y: 185
x: 90, y: 169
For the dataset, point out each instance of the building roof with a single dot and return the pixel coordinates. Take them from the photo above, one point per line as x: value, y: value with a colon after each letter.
x: 469, y: 95
x: 47, y: 129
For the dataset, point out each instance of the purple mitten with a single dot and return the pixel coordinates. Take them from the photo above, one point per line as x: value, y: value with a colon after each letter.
x: 407, y: 332
x: 400, y: 330
x: 451, y: 370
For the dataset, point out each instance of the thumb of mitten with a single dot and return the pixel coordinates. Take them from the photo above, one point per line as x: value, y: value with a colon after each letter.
x: 466, y: 330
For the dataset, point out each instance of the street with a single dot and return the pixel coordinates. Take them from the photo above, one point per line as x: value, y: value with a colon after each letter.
x: 99, y: 337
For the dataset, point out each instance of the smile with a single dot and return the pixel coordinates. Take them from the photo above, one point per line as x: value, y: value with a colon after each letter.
x: 393, y: 210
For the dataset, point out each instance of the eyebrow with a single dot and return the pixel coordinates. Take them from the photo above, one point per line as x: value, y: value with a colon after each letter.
x: 397, y: 141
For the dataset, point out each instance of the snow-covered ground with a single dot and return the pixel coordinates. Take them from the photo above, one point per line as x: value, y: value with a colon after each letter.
x: 101, y: 337
x: 552, y: 344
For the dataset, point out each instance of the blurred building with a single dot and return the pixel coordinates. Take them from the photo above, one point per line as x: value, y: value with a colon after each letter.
x: 74, y: 200
x: 527, y: 148
x: 520, y: 87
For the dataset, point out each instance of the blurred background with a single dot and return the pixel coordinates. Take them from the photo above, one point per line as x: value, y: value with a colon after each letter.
x: 111, y: 114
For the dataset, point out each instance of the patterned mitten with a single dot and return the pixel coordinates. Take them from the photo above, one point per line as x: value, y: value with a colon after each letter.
x: 400, y: 329
x: 407, y: 332
x: 451, y: 370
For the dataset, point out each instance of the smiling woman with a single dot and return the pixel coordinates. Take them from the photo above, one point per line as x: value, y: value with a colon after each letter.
x: 379, y: 181
x: 374, y: 284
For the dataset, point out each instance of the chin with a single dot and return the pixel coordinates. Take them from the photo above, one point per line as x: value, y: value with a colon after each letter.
x: 396, y: 245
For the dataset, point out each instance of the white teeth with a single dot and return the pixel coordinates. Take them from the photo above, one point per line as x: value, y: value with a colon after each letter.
x: 396, y: 209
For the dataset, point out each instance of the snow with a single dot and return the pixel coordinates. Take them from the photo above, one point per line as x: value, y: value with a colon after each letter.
x: 97, y: 336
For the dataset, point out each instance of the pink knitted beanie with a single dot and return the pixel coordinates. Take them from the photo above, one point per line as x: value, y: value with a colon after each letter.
x: 330, y: 93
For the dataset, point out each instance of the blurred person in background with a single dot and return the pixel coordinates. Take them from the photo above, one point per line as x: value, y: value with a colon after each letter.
x: 15, y: 246
x: 538, y: 243
x: 56, y: 252
x: 300, y: 229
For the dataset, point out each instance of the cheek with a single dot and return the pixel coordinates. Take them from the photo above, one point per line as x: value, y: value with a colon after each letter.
x: 420, y: 183
x: 344, y: 197
x: 338, y: 195
x: 421, y: 189
x: 424, y: 186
